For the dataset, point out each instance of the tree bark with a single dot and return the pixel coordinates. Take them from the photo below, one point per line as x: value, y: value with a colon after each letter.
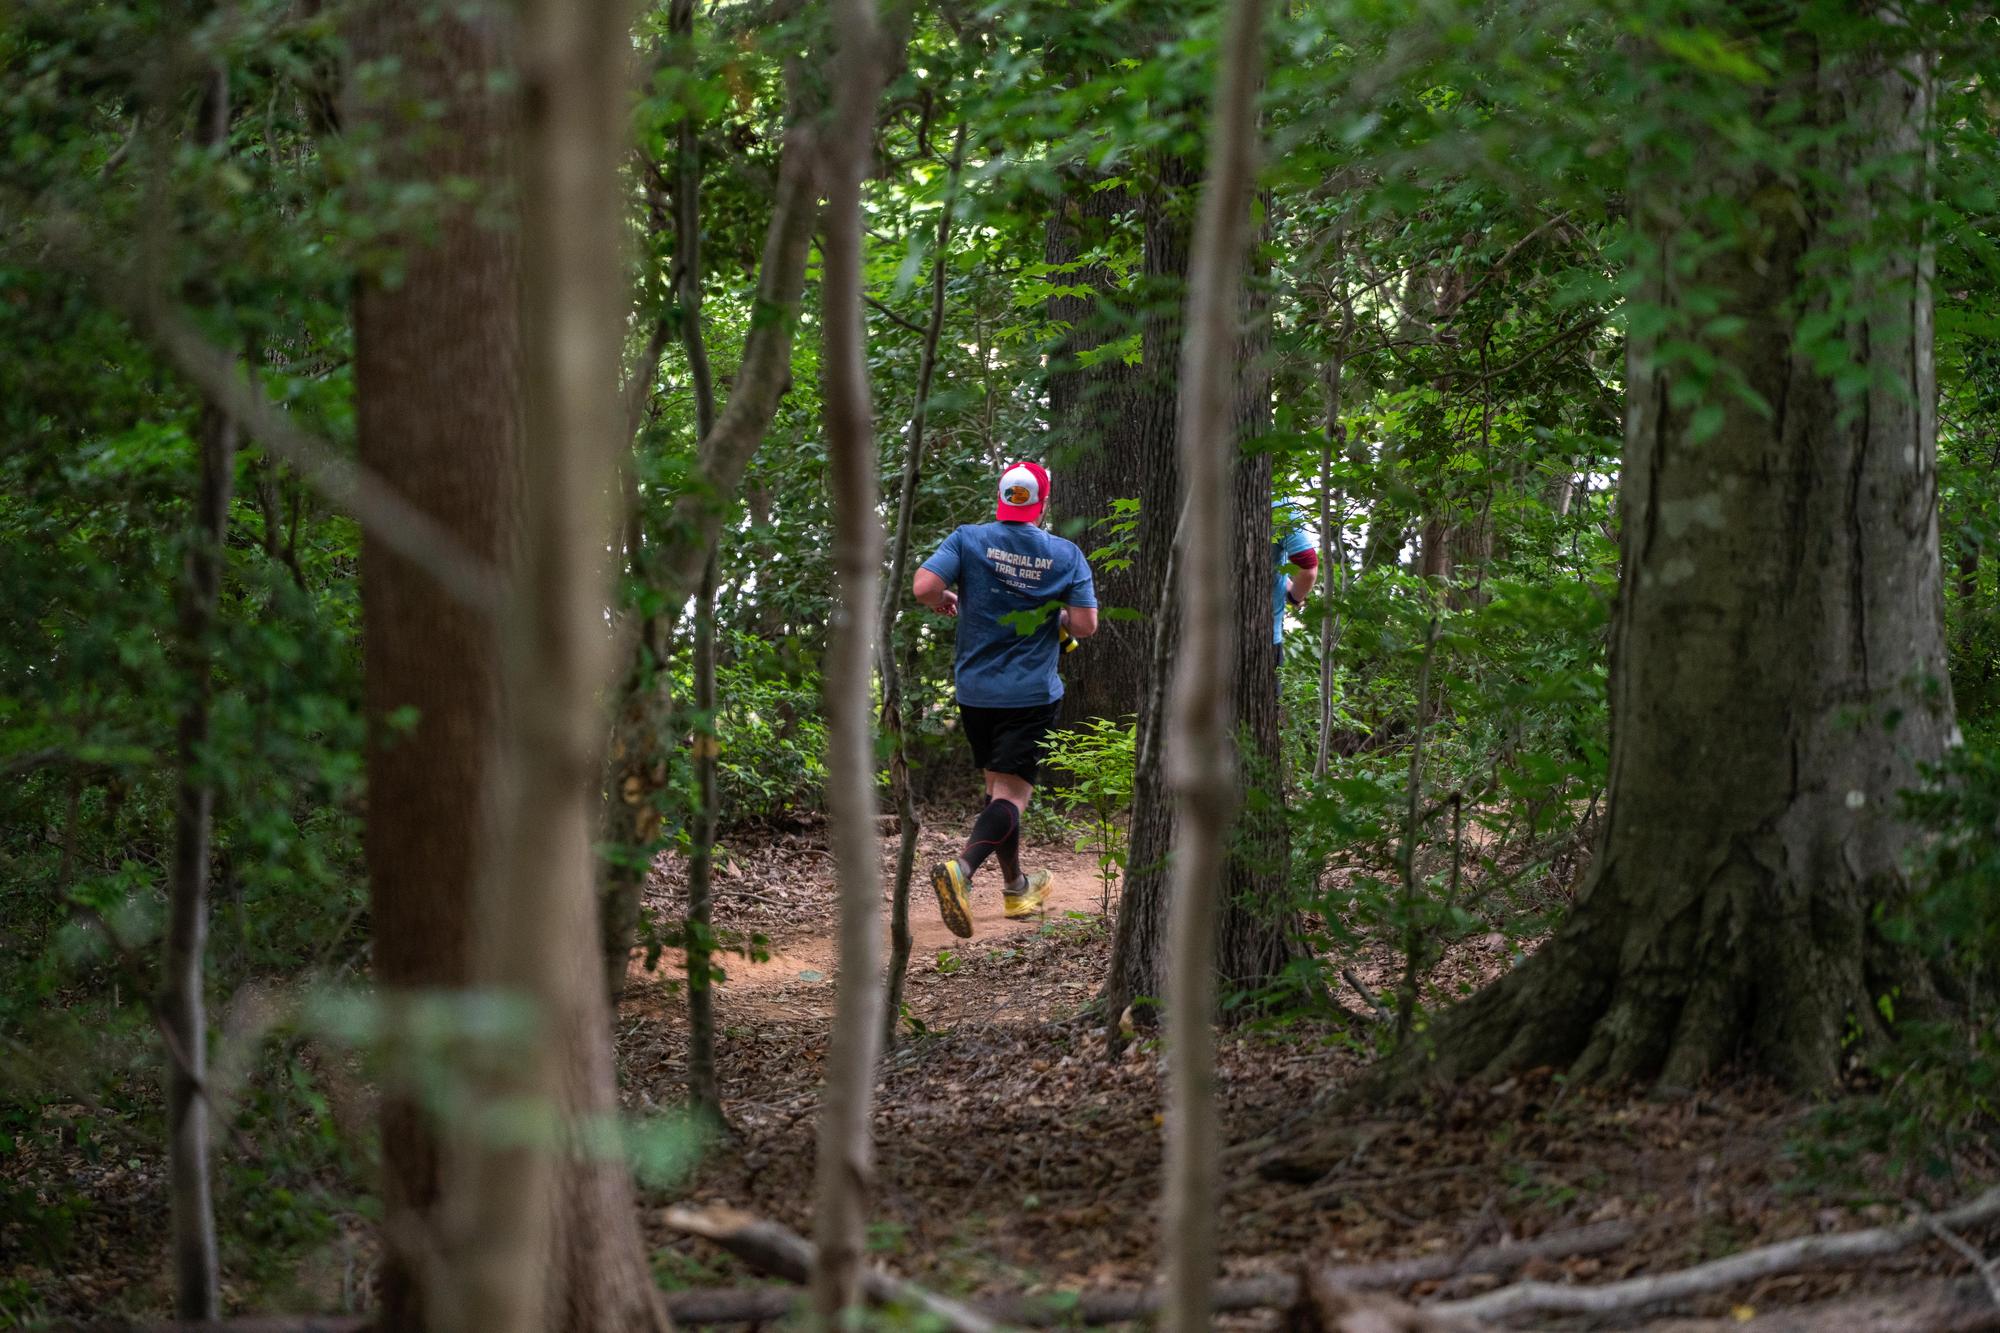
x: 551, y: 1237
x: 504, y: 1238
x: 892, y: 683
x: 1139, y: 941
x: 435, y: 404
x: 1100, y: 443
x: 704, y: 1089
x: 1254, y: 943
x: 183, y: 1014
x: 1778, y: 661
x: 1200, y: 762
x: 845, y: 1151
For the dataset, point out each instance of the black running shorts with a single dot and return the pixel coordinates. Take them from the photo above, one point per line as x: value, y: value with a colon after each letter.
x: 1008, y: 740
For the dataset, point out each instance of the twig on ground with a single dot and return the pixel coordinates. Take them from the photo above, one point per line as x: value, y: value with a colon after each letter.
x: 1545, y: 1298
x: 1281, y: 1290
x: 1969, y: 1252
x: 784, y: 1253
x: 1368, y: 997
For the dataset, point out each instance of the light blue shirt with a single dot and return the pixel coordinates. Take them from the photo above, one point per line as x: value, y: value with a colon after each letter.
x: 1289, y: 537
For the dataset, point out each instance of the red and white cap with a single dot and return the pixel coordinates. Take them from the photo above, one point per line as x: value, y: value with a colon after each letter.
x: 1024, y: 489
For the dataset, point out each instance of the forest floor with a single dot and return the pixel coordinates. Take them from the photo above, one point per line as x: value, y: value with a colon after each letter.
x: 1014, y: 1157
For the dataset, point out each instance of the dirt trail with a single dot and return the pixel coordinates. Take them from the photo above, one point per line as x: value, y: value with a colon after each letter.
x: 795, y: 981
x: 1074, y: 888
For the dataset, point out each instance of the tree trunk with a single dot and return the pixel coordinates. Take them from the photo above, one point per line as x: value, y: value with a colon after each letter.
x: 1254, y: 944
x: 1202, y: 773
x: 892, y: 683
x: 437, y: 360
x: 551, y: 1236
x: 1434, y: 554
x: 704, y: 1089
x: 1099, y: 441
x: 1139, y: 941
x: 1778, y: 662
x: 845, y: 1152
x: 183, y: 1016
x: 435, y: 405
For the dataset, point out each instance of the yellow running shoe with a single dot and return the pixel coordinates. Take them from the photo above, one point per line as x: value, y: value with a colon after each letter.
x: 1029, y: 901
x: 953, y: 903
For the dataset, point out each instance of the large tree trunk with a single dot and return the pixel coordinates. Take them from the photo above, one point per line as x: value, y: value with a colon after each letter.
x: 1253, y: 942
x: 435, y: 403
x: 1204, y: 778
x: 1139, y: 940
x: 845, y: 1147
x: 1778, y: 663
x: 1099, y: 442
x: 525, y: 1238
x: 552, y: 1238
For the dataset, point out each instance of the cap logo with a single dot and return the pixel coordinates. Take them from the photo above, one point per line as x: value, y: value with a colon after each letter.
x: 1019, y: 493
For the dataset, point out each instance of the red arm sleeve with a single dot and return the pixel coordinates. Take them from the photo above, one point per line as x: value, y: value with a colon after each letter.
x: 1306, y: 559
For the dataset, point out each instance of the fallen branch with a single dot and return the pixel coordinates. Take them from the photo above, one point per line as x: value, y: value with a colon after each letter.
x: 1545, y: 1298
x: 772, y: 1249
x: 731, y: 1305
x: 1282, y: 1290
x: 1969, y: 1252
x: 784, y: 1253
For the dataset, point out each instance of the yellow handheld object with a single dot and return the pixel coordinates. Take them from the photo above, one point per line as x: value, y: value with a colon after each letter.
x: 1064, y: 637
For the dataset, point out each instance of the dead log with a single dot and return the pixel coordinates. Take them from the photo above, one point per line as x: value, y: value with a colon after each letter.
x: 774, y: 1249
x: 1546, y: 1298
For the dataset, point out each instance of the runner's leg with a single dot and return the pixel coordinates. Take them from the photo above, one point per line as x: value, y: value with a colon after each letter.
x: 998, y: 823
x: 1011, y: 788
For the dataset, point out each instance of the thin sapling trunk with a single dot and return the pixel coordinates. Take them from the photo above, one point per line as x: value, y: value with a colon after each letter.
x: 1199, y: 757
x: 183, y: 1017
x: 845, y: 1160
x: 892, y: 683
x: 704, y: 1091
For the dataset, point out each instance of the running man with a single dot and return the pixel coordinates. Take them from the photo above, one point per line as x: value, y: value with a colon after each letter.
x: 1009, y: 575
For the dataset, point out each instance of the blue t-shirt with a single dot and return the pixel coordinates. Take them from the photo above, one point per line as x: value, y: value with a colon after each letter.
x: 1289, y: 537
x: 1000, y: 570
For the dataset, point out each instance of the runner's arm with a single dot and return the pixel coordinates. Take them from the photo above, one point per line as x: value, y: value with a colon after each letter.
x: 1300, y: 585
x: 1080, y: 621
x: 929, y: 589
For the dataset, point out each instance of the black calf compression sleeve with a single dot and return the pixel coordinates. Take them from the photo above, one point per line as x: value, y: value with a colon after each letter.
x: 998, y: 825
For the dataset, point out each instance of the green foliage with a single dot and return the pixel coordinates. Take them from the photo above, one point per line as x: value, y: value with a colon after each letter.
x: 1930, y: 1094
x: 1512, y: 764
x: 1099, y: 757
x: 772, y: 761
